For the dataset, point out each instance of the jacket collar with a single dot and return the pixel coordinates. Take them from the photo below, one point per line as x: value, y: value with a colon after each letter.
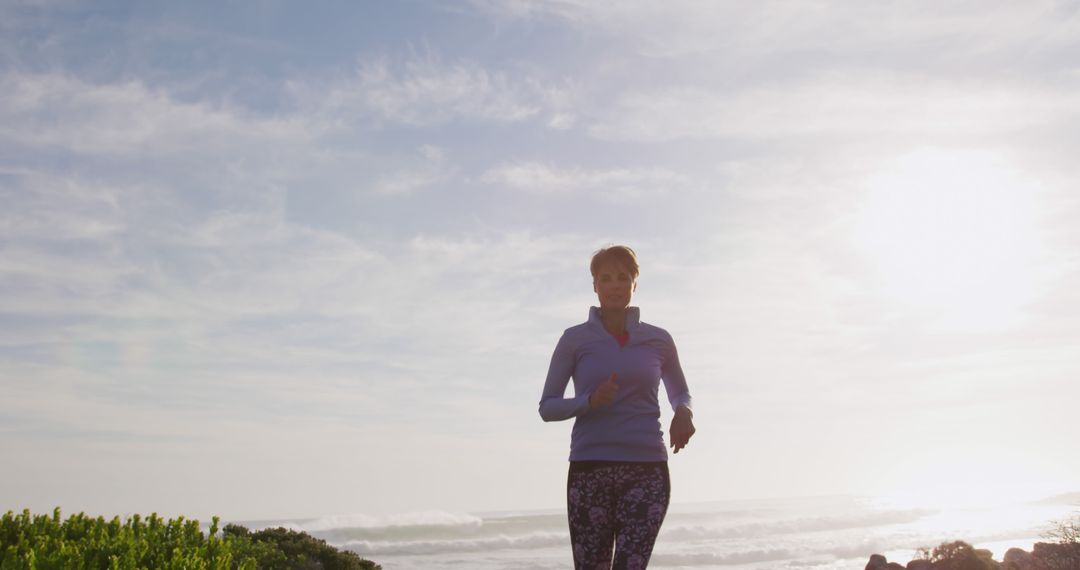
x: 633, y: 318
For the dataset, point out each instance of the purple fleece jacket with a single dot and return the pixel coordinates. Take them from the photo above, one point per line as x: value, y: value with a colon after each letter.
x: 629, y: 428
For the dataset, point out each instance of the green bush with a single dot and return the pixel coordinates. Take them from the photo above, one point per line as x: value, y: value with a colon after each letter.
x: 41, y: 542
x: 303, y: 547
x: 959, y: 555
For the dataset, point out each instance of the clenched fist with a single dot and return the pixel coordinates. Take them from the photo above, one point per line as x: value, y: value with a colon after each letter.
x: 605, y: 394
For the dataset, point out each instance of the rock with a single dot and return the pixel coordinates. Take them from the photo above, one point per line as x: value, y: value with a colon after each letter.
x: 1019, y: 557
x: 877, y: 562
x: 920, y: 565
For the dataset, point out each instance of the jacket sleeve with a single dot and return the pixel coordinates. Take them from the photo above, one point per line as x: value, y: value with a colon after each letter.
x: 553, y: 406
x: 674, y: 381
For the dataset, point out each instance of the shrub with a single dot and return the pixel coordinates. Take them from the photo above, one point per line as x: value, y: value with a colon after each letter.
x: 42, y: 542
x: 959, y: 555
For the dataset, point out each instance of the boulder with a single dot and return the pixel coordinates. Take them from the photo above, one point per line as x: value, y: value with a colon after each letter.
x: 920, y: 565
x: 1019, y: 557
x: 877, y: 562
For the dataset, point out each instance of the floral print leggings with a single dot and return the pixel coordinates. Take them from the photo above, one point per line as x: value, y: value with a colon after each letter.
x: 614, y: 502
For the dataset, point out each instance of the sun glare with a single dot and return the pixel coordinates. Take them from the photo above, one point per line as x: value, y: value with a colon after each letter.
x: 954, y: 234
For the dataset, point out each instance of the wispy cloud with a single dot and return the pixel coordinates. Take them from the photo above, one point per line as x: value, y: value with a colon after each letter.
x: 429, y: 167
x: 866, y: 105
x: 687, y: 27
x: 422, y: 91
x: 616, y: 183
x: 130, y: 119
x: 220, y: 245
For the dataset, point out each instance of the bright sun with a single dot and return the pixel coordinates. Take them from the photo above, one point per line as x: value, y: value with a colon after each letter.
x: 954, y: 234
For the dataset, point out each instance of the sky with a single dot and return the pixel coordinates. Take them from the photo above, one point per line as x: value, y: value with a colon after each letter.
x: 268, y: 259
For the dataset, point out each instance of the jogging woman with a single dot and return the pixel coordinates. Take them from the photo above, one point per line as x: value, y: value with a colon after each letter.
x: 618, y: 487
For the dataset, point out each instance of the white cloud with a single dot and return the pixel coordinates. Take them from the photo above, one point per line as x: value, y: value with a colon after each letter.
x: 57, y: 208
x: 241, y: 313
x: 866, y: 105
x: 561, y: 121
x: 530, y: 8
x: 415, y: 175
x: 424, y: 91
x: 432, y: 152
x: 130, y: 119
x: 404, y: 182
x: 181, y: 267
x: 686, y: 27
x: 537, y: 177
x: 159, y: 144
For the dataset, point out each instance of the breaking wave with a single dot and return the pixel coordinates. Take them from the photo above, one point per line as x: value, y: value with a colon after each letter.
x: 375, y: 522
x: 485, y: 544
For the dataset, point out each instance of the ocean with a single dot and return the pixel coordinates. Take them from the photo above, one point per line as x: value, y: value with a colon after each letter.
x: 819, y: 533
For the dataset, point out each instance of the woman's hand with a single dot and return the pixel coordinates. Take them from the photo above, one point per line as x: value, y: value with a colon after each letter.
x: 605, y: 394
x: 682, y: 428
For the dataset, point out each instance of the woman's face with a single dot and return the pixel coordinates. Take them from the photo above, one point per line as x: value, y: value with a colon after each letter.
x: 614, y: 286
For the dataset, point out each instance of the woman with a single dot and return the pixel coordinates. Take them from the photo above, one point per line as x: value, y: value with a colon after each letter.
x: 618, y: 487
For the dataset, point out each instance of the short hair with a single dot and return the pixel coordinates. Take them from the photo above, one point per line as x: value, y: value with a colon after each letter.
x: 618, y: 254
